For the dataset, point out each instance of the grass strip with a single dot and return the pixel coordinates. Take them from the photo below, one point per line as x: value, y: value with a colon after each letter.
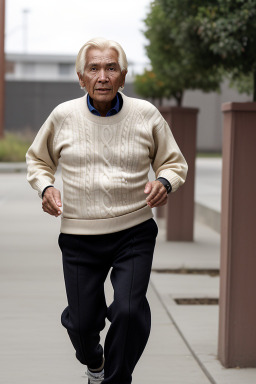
x: 13, y: 148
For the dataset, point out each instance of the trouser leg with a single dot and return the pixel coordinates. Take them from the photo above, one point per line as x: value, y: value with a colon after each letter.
x: 129, y: 313
x: 85, y: 271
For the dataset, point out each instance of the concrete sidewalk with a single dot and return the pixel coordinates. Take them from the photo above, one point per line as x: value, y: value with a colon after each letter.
x: 208, y: 180
x: 35, y: 347
x: 196, y: 324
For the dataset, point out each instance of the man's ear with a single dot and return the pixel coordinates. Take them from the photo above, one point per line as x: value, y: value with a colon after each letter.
x: 124, y: 73
x: 81, y: 81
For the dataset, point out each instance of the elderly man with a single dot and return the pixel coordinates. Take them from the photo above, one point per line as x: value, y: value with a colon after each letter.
x: 105, y: 143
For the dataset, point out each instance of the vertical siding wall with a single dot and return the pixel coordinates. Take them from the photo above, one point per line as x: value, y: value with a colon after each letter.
x: 28, y: 103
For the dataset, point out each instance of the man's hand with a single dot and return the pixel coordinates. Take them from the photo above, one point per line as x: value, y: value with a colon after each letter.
x: 157, y: 194
x: 52, y: 201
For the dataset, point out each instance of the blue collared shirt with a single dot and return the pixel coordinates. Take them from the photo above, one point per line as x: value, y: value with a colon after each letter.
x: 114, y: 109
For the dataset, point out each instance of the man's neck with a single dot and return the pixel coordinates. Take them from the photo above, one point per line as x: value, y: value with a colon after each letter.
x: 102, y: 108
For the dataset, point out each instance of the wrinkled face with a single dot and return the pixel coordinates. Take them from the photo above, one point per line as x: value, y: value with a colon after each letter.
x: 102, y: 75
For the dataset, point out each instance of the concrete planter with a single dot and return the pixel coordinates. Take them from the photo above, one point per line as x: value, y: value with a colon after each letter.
x: 237, y: 336
x: 180, y: 207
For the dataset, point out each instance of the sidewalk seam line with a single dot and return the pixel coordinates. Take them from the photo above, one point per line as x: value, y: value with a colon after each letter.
x: 205, y: 371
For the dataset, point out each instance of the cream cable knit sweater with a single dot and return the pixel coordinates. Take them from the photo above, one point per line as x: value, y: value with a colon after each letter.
x: 104, y: 162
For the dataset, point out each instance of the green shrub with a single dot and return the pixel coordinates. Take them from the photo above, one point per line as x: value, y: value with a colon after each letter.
x: 13, y: 148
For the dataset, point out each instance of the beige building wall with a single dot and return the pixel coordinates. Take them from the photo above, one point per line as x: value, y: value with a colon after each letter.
x: 209, y: 129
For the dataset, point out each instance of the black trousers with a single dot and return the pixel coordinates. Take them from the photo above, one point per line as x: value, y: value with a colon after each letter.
x: 87, y: 260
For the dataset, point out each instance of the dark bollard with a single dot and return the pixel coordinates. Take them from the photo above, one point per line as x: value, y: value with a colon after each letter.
x: 180, y: 206
x: 237, y: 318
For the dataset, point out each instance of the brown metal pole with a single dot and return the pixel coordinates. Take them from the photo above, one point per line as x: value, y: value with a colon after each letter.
x: 180, y: 206
x: 237, y: 317
x: 2, y: 66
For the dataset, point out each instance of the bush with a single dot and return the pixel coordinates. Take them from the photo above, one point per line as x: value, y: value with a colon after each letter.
x: 13, y: 148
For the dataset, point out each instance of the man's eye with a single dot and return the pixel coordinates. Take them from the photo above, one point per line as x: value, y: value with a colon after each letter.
x: 93, y: 69
x: 111, y: 68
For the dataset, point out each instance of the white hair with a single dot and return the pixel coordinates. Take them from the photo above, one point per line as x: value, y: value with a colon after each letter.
x: 100, y: 43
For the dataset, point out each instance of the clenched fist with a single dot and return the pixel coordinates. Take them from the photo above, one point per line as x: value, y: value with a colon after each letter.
x: 52, y: 202
x: 157, y: 194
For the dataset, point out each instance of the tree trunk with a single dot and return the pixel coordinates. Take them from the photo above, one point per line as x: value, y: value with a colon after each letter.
x: 178, y: 98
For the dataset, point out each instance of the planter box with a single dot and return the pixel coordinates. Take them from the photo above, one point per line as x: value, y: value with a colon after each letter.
x: 237, y: 336
x: 180, y: 206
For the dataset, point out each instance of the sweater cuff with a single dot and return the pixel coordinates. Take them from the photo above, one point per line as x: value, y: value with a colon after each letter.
x: 41, y: 184
x: 49, y: 186
x: 172, y: 177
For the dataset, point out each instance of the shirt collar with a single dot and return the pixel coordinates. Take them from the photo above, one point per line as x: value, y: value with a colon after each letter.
x: 115, y: 106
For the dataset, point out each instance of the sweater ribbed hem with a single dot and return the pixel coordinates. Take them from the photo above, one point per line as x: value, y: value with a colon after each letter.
x: 103, y: 226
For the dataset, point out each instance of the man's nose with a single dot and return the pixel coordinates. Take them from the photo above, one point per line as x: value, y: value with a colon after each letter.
x: 103, y: 76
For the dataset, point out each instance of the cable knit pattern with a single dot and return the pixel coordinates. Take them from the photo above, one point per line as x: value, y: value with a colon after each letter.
x: 104, y: 163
